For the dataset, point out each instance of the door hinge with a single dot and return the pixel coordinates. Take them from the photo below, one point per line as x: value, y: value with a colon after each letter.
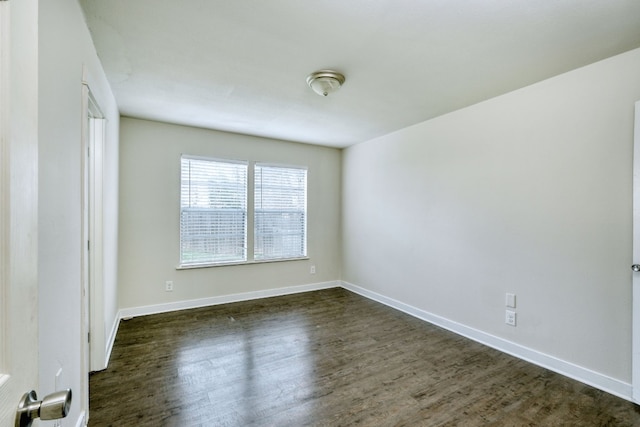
x: 88, y: 336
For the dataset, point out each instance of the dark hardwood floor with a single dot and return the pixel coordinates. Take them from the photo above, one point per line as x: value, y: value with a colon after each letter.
x: 327, y: 358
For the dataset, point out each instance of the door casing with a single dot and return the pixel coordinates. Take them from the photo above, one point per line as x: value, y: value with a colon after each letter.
x: 636, y: 259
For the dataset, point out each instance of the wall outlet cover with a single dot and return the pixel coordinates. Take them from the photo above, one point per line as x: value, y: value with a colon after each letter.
x: 510, y: 318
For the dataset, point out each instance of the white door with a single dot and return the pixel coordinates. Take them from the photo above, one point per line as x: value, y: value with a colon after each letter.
x: 636, y: 258
x: 18, y: 203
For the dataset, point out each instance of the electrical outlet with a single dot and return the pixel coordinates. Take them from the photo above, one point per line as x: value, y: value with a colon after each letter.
x: 510, y: 318
x: 168, y: 286
x: 312, y: 270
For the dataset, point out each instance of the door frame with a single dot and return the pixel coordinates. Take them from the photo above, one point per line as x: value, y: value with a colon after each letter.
x: 4, y: 191
x: 4, y: 181
x: 635, y: 308
x: 92, y: 147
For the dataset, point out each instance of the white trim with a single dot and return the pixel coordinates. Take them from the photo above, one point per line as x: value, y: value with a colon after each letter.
x: 127, y: 313
x: 562, y: 367
x: 635, y: 277
x: 4, y: 189
x: 96, y: 237
x: 279, y: 165
x: 82, y: 422
x: 214, y: 159
x: 110, y: 342
x: 228, y: 264
x: 579, y: 373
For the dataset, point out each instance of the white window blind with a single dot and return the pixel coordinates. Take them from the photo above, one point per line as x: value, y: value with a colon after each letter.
x: 280, y: 222
x: 213, y: 211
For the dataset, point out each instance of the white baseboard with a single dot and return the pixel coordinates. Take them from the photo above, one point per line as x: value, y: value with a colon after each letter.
x: 126, y: 313
x: 584, y: 375
x: 82, y: 422
x: 111, y: 340
x: 568, y: 369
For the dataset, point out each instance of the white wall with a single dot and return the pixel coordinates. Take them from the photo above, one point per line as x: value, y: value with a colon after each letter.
x: 64, y: 46
x: 149, y: 214
x: 529, y: 193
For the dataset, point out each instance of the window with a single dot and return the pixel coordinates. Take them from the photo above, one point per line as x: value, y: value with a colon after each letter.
x: 213, y: 211
x: 215, y: 204
x: 280, y: 202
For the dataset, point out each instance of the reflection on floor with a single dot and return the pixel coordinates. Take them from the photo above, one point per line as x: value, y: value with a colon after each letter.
x: 327, y: 358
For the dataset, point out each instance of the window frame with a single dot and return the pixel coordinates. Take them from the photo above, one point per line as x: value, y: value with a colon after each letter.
x: 305, y: 215
x: 212, y: 263
x: 250, y: 214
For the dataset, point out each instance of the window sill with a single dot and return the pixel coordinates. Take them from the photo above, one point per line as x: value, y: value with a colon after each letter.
x: 228, y: 264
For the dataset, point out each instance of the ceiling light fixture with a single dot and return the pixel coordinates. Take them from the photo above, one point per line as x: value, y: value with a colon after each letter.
x: 324, y: 82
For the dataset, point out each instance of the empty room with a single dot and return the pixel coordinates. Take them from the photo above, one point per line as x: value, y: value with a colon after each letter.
x: 288, y: 213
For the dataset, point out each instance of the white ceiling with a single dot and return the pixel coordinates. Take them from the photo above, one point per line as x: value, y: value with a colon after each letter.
x: 241, y: 65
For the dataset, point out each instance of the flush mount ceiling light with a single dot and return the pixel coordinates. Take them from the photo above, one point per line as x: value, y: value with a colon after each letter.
x: 324, y: 82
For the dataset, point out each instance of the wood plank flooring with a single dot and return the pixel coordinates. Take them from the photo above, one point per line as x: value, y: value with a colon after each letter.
x: 327, y: 358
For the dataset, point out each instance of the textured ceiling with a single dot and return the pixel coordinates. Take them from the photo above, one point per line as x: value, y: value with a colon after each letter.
x: 241, y: 65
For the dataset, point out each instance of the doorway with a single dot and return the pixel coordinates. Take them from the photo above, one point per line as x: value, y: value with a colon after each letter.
x: 93, y: 351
